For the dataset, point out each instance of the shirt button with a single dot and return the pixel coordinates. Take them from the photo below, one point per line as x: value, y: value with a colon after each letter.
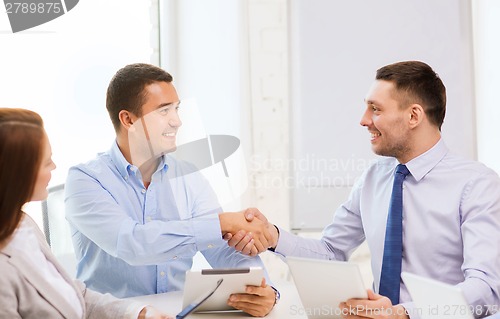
x: 143, y: 191
x: 175, y: 257
x: 148, y: 218
x: 162, y: 274
x: 210, y: 246
x: 126, y: 178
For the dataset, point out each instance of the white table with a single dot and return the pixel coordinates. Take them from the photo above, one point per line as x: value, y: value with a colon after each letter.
x: 288, y: 307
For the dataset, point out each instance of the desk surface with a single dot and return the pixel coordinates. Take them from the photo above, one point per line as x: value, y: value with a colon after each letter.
x: 288, y: 307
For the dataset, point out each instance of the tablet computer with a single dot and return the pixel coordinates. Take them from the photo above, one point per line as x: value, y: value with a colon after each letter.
x: 233, y: 281
x: 436, y: 299
x: 323, y: 284
x: 195, y: 304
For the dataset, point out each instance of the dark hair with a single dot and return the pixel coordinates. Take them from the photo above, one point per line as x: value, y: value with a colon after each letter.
x: 126, y: 89
x: 21, y: 146
x: 416, y: 82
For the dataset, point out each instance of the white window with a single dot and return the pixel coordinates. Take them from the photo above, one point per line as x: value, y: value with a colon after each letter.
x: 61, y: 69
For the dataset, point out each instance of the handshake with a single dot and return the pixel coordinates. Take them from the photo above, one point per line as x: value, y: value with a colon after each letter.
x: 248, y: 231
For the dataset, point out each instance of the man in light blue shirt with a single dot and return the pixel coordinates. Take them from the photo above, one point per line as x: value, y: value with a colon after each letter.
x: 451, y: 205
x: 138, y: 216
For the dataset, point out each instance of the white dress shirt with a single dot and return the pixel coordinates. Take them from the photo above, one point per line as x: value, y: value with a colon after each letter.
x: 451, y: 224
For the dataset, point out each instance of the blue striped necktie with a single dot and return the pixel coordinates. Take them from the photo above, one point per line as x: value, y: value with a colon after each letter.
x: 393, y: 247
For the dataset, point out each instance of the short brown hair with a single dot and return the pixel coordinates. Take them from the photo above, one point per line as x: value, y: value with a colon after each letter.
x: 416, y: 82
x: 126, y: 89
x: 21, y: 146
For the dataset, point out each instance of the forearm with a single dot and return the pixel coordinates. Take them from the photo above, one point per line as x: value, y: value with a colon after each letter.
x: 158, y: 241
x: 292, y: 245
x: 226, y: 257
x: 149, y: 243
x: 478, y: 294
x: 101, y: 306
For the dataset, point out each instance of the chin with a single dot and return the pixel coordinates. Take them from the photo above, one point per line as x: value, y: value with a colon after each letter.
x: 40, y: 196
x: 169, y: 150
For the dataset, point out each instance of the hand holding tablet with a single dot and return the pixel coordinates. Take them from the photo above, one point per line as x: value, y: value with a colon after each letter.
x: 234, y: 281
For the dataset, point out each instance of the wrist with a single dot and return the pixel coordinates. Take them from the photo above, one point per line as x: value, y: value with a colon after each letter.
x: 276, y: 296
x: 225, y: 223
x: 275, y: 233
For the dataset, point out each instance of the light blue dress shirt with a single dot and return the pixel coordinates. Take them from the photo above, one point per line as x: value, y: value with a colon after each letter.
x: 132, y: 241
x: 451, y: 224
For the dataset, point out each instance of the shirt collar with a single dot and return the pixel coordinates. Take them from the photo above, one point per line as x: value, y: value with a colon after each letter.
x: 124, y: 167
x: 424, y: 163
x: 119, y: 160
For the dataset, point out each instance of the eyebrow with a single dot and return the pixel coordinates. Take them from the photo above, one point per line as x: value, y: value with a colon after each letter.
x: 168, y: 104
x: 371, y: 102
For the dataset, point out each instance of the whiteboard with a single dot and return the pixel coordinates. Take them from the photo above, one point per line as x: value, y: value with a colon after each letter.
x: 336, y: 46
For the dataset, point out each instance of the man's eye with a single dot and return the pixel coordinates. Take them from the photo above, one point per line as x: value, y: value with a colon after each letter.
x: 163, y: 110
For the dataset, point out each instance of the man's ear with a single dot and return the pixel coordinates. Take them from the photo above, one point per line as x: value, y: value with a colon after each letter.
x: 416, y: 115
x: 126, y: 120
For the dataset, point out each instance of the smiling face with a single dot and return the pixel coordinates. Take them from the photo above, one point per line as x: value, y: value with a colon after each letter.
x: 44, y: 173
x: 386, y: 121
x: 154, y: 134
x: 160, y: 116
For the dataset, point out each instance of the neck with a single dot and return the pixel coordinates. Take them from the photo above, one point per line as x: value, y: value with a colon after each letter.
x: 147, y: 170
x: 421, y: 142
x: 147, y: 165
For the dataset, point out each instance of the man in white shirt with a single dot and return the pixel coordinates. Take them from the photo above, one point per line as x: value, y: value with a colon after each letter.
x: 450, y: 215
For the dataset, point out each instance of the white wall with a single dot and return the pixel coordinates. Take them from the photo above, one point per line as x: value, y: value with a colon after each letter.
x: 61, y: 69
x: 487, y: 53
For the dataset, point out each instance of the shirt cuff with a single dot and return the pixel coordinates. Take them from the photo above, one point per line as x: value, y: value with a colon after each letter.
x: 286, y: 243
x: 134, y: 309
x: 207, y: 232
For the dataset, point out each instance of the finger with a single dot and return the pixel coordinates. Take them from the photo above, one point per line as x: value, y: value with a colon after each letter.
x: 236, y: 238
x: 250, y: 303
x: 357, y: 303
x: 254, y: 251
x: 260, y: 246
x: 247, y: 250
x: 262, y: 243
x: 263, y: 290
x: 250, y: 308
x: 255, y: 290
x: 227, y: 236
x: 266, y: 237
x: 255, y: 305
x: 263, y: 283
x: 372, y: 295
x: 257, y: 213
x: 249, y: 216
x: 243, y: 242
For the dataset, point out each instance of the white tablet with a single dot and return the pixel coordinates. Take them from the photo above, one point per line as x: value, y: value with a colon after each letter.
x: 234, y: 281
x: 436, y: 299
x: 324, y: 284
